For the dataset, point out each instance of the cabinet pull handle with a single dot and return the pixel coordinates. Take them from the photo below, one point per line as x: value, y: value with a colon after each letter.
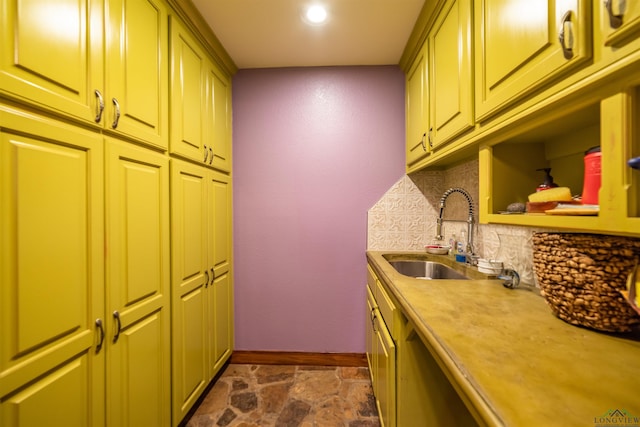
x: 117, y: 118
x: 211, y: 157
x: 566, y: 37
x: 615, y: 21
x: 373, y: 322
x: 213, y: 276
x: 101, y: 332
x: 422, y: 142
x: 206, y: 282
x: 430, y: 139
x: 100, y: 106
x: 206, y: 153
x: 116, y: 316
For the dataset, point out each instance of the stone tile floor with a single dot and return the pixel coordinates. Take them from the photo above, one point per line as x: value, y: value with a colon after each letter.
x: 288, y: 396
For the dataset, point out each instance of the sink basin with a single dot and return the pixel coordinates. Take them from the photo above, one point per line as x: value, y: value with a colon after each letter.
x: 426, y: 270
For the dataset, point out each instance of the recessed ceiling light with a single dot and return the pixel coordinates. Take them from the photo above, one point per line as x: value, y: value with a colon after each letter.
x: 316, y: 14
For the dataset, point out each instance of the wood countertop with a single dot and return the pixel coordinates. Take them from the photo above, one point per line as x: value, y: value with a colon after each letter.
x: 510, y: 358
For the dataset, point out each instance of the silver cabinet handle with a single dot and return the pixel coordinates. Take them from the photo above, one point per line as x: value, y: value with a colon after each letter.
x: 116, y: 316
x: 100, y: 106
x: 422, y: 142
x: 117, y: 117
x: 615, y: 21
x: 101, y: 332
x: 206, y: 282
x: 566, y: 37
x: 430, y: 139
x: 210, y: 157
x: 206, y: 154
x: 213, y: 276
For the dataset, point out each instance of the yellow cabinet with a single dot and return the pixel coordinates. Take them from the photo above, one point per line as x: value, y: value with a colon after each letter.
x: 451, y: 78
x: 521, y: 45
x: 417, y: 103
x: 201, y: 102
x: 381, y: 349
x: 52, y: 357
x: 201, y: 280
x: 138, y: 286
x: 104, y: 64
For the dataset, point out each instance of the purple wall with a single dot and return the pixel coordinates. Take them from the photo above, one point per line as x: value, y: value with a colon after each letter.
x: 313, y: 150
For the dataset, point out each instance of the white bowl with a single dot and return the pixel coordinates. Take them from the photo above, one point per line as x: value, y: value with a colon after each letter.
x: 437, y: 249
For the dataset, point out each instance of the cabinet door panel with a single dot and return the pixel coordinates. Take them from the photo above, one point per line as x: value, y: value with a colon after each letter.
x: 518, y: 47
x: 139, y: 284
x: 190, y: 278
x: 51, y: 248
x: 223, y: 315
x: 450, y: 84
x: 139, y: 390
x: 57, y: 399
x: 417, y: 109
x: 219, y: 120
x: 188, y: 85
x: 138, y: 69
x: 51, y: 54
x: 385, y: 374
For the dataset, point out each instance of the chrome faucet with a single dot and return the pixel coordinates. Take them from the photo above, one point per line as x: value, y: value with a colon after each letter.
x: 465, y: 193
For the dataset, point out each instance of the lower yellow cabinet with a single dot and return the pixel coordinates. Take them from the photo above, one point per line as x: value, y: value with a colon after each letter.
x: 201, y: 280
x: 52, y: 369
x: 84, y: 292
x: 410, y: 387
x: 138, y: 286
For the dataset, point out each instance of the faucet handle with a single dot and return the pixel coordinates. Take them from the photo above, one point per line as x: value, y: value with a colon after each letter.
x: 511, y: 278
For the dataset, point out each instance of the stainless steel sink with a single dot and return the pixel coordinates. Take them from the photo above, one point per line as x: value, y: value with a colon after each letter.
x: 426, y: 270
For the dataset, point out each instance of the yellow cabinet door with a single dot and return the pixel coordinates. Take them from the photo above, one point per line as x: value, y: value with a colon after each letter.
x: 138, y: 286
x: 385, y: 357
x: 370, y: 335
x: 522, y: 44
x: 220, y: 250
x: 451, y: 94
x: 51, y: 54
x: 190, y: 279
x: 417, y: 99
x: 218, y: 119
x: 136, y: 82
x: 622, y: 21
x: 188, y: 95
x: 52, y: 273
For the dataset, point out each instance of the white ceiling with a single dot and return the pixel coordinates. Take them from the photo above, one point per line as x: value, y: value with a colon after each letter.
x: 271, y: 33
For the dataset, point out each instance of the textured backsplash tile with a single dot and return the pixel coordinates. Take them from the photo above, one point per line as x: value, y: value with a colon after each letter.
x: 405, y: 219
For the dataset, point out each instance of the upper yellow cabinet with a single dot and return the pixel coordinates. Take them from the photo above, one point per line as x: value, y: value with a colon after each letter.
x: 104, y: 64
x: 200, y: 102
x: 521, y: 45
x: 450, y: 79
x: 417, y: 103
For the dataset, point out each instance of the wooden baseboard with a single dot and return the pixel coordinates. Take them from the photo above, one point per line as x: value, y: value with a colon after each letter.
x: 298, y: 358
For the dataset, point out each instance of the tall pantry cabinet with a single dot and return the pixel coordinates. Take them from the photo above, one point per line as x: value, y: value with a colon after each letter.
x: 87, y: 315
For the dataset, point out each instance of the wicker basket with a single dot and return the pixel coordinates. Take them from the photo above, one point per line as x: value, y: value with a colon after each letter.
x: 581, y: 275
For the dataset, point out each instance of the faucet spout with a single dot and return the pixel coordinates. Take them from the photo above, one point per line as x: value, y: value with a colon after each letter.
x: 470, y: 220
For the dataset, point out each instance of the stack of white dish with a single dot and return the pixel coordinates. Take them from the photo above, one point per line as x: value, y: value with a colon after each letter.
x: 489, y: 266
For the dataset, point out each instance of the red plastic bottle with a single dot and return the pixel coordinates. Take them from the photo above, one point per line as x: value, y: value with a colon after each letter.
x: 592, y: 176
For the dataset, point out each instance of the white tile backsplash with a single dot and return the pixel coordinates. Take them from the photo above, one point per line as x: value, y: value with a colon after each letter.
x: 405, y: 219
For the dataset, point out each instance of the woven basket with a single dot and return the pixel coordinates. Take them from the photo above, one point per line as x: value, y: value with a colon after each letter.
x: 581, y: 275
